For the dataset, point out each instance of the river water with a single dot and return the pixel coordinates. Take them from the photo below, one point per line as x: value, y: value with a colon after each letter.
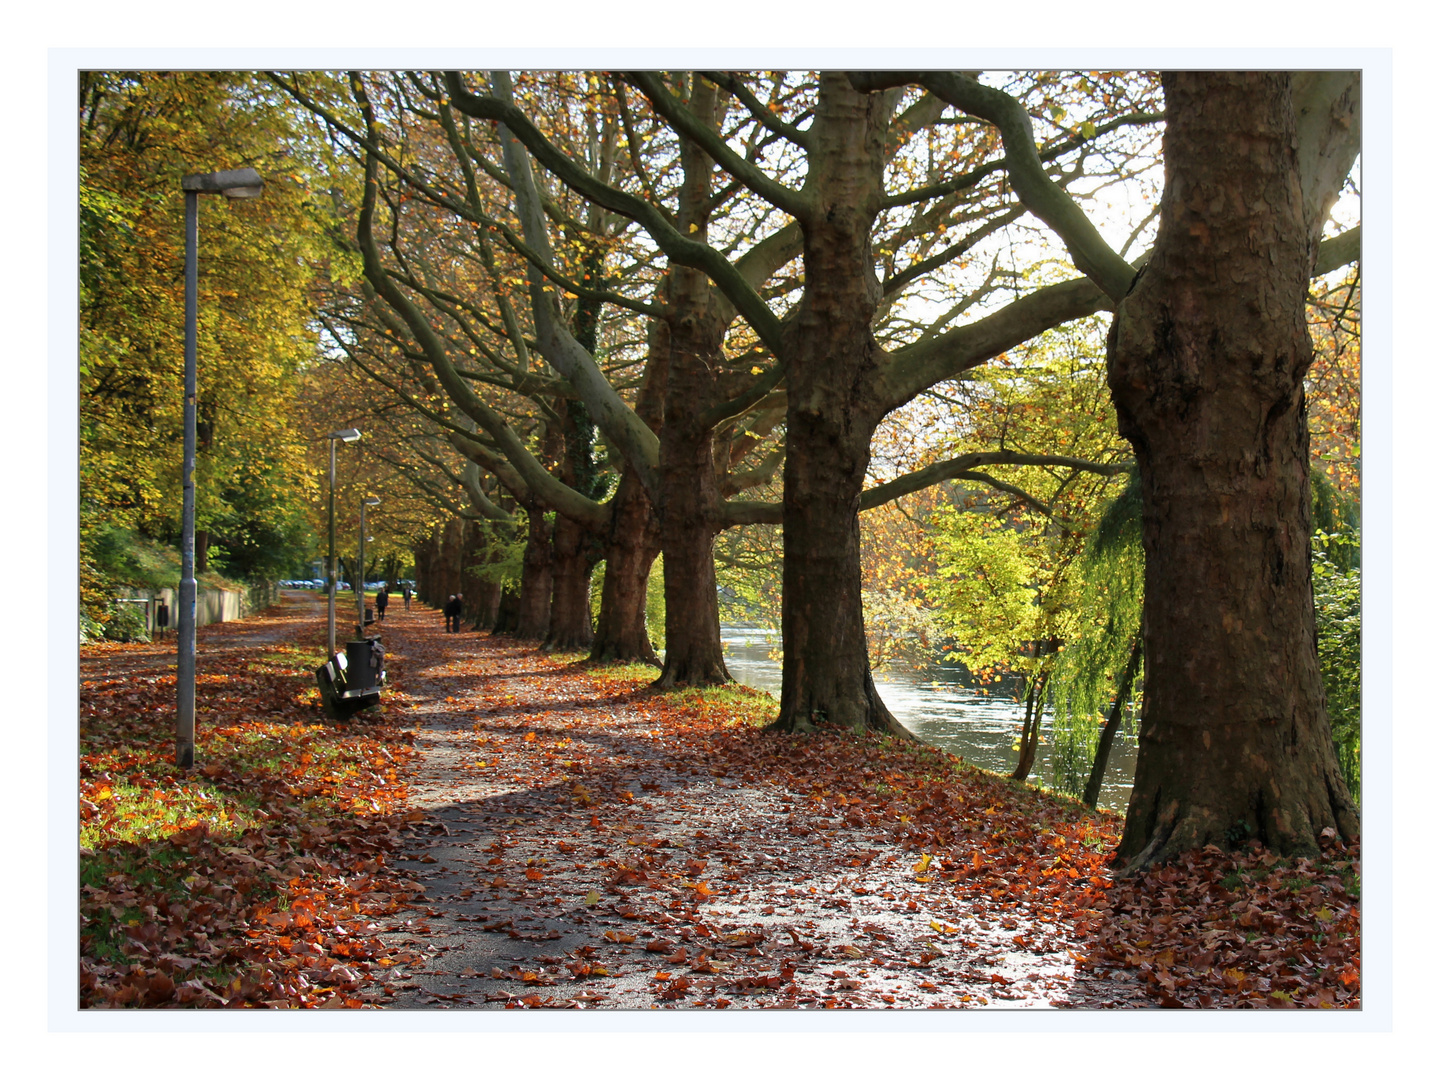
x: 942, y: 705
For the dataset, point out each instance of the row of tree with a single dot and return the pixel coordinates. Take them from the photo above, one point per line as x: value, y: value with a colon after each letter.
x: 615, y: 315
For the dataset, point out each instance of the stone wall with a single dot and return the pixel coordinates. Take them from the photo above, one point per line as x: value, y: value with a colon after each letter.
x: 211, y: 605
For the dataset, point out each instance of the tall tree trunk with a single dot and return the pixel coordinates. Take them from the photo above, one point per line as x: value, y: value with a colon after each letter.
x: 486, y: 606
x: 202, y: 550
x: 1112, y: 725
x: 1030, y: 729
x: 689, y: 503
x: 427, y: 558
x: 576, y: 548
x: 832, y: 365
x: 571, y: 628
x: 621, y: 633
x: 1034, y: 711
x: 452, y: 557
x: 484, y: 595
x: 507, y: 616
x: 693, y: 339
x: 532, y: 621
x: 1206, y: 360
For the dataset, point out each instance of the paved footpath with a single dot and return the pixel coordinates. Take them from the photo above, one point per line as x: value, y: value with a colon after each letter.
x: 574, y: 856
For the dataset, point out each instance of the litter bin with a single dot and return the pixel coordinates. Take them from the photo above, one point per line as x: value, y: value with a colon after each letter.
x: 365, y: 664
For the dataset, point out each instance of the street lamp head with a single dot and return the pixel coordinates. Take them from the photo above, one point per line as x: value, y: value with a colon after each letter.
x: 348, y: 435
x: 372, y: 501
x: 233, y: 184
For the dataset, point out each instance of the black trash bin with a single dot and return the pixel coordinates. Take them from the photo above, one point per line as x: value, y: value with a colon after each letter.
x: 365, y: 664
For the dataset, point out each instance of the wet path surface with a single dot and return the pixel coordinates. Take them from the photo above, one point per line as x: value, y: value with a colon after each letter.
x: 577, y: 853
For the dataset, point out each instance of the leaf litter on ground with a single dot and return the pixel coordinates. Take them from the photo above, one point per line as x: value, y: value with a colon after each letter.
x: 575, y: 839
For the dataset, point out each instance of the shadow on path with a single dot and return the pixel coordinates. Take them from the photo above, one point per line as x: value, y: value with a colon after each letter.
x: 578, y: 853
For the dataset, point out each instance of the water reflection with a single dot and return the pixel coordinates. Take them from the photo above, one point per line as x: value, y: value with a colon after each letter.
x: 942, y: 706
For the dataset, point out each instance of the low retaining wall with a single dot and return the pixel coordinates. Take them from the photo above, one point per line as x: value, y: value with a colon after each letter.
x: 211, y: 605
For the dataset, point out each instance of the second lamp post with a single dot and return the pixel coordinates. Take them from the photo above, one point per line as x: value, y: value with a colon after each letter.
x: 348, y: 435
x: 360, y: 573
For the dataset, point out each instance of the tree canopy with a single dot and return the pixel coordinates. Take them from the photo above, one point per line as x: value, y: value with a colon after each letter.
x: 827, y: 344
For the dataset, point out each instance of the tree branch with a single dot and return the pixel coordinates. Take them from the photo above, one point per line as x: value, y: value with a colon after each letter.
x: 677, y: 247
x: 630, y: 434
x: 688, y: 124
x: 1041, y: 195
x: 756, y: 108
x: 962, y: 466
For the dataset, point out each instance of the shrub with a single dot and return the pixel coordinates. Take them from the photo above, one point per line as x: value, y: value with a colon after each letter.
x: 126, y: 623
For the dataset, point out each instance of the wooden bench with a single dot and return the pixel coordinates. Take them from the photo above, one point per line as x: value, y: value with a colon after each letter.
x: 339, y: 700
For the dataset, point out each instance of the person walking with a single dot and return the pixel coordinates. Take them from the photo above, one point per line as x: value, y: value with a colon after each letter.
x: 405, y: 592
x: 452, y: 614
x: 382, y: 601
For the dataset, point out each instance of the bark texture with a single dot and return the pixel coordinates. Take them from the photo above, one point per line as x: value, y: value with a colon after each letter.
x: 689, y: 507
x: 571, y: 628
x: 487, y: 605
x: 621, y: 633
x: 692, y: 342
x: 438, y: 563
x: 532, y: 617
x: 507, y: 616
x: 833, y: 406
x: 1207, y: 357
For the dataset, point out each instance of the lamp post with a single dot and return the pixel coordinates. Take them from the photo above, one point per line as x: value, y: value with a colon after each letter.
x: 348, y: 435
x: 234, y: 184
x: 360, y: 574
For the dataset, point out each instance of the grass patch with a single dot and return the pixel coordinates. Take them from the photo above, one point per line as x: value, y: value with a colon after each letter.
x: 188, y: 879
x: 733, y: 704
x: 611, y: 675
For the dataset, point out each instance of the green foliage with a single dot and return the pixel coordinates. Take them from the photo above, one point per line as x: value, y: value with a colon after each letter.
x: 126, y: 623
x: 995, y: 596
x: 1337, y: 624
x: 655, y: 604
x: 1335, y: 574
x: 1336, y: 523
x: 262, y: 548
x: 1108, y: 606
x: 1008, y: 577
x: 1074, y: 738
x: 1046, y: 585
x: 747, y: 571
x: 91, y: 629
x: 259, y: 259
x: 126, y: 559
x: 503, y: 552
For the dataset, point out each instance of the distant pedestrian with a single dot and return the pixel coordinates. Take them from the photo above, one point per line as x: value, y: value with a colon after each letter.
x: 162, y: 617
x: 405, y: 592
x: 382, y: 601
x: 452, y: 614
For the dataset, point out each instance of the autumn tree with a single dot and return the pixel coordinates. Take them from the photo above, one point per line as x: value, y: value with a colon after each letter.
x: 809, y: 176
x: 440, y: 296
x: 1208, y: 355
x: 139, y: 133
x: 1011, y: 581
x: 1207, y: 359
